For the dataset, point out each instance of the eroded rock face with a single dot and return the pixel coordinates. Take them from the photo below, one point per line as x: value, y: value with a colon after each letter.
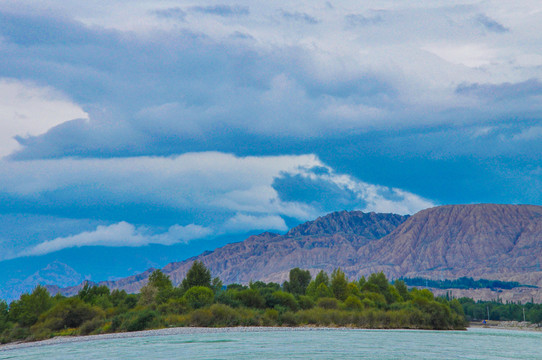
x: 483, y: 241
x: 487, y: 240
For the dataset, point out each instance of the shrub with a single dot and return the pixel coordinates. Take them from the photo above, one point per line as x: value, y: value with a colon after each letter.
x: 305, y: 302
x: 199, y: 296
x: 201, y: 317
x: 228, y: 297
x: 224, y: 315
x: 174, y: 306
x: 288, y: 318
x: 271, y: 317
x: 142, y: 321
x: 353, y: 303
x: 285, y: 300
x: 90, y: 326
x: 328, y: 303
x: 377, y: 299
x: 69, y: 313
x: 251, y: 298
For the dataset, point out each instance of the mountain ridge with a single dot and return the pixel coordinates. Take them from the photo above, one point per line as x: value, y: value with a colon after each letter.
x: 493, y: 241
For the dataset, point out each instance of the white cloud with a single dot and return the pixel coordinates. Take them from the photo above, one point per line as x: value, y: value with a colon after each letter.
x: 209, y: 181
x: 244, y: 222
x: 120, y: 234
x: 28, y: 109
x: 531, y: 133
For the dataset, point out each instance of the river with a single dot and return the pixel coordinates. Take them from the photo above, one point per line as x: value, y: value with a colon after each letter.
x: 284, y: 343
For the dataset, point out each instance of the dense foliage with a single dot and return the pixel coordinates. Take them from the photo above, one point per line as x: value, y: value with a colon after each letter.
x: 199, y: 301
x: 496, y: 310
x: 463, y: 283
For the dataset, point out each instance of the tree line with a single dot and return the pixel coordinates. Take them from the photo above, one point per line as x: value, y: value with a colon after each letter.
x: 497, y: 310
x: 326, y: 300
x: 463, y: 283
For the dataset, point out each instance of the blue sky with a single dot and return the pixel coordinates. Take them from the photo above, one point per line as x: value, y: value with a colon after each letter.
x: 161, y: 125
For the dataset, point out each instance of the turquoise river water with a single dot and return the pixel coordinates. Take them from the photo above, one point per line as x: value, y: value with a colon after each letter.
x: 293, y: 344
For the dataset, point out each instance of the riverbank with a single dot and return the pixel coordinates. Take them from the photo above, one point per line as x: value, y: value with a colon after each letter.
x: 506, y: 325
x: 160, y: 332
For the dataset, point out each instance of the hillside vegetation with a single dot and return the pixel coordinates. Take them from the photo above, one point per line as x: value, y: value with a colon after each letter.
x: 326, y: 300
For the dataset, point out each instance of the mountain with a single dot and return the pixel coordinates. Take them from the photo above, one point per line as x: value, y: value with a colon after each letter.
x: 56, y: 273
x: 316, y: 245
x: 491, y: 241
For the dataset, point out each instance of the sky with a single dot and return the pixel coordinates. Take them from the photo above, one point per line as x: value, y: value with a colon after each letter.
x: 167, y: 127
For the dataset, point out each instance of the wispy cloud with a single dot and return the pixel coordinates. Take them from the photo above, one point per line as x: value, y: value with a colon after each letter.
x: 299, y: 16
x: 175, y: 13
x: 120, y: 234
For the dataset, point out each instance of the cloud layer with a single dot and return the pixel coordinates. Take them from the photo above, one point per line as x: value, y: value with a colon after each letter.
x: 221, y: 72
x: 194, y: 195
x: 129, y: 120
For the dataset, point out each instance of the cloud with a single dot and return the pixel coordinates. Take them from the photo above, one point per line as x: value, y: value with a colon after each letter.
x: 503, y: 91
x: 175, y: 13
x: 244, y: 222
x: 120, y: 234
x: 328, y: 191
x: 217, y: 194
x: 363, y: 20
x: 299, y: 16
x: 27, y: 109
x: 393, y: 104
x: 210, y: 182
x: 222, y: 10
x: 531, y: 133
x: 491, y: 24
x: 199, y: 86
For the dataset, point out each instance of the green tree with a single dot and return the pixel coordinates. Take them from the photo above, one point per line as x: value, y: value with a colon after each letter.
x: 379, y: 283
x: 217, y: 285
x: 160, y: 280
x: 3, y: 315
x: 197, y: 275
x: 299, y: 280
x: 314, y: 286
x: 361, y: 282
x: 96, y: 295
x: 402, y: 289
x: 29, y: 307
x: 339, y: 284
x: 321, y: 278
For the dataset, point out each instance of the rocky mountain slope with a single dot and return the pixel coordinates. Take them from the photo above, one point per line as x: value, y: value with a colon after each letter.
x: 491, y: 241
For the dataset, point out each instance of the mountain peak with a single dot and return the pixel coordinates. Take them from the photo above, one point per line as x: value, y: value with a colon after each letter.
x: 369, y: 225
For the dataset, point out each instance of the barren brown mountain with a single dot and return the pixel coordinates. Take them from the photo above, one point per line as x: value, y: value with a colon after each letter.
x: 483, y: 241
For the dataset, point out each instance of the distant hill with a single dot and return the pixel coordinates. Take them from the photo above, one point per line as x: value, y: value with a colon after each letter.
x: 502, y: 242
x: 56, y: 273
